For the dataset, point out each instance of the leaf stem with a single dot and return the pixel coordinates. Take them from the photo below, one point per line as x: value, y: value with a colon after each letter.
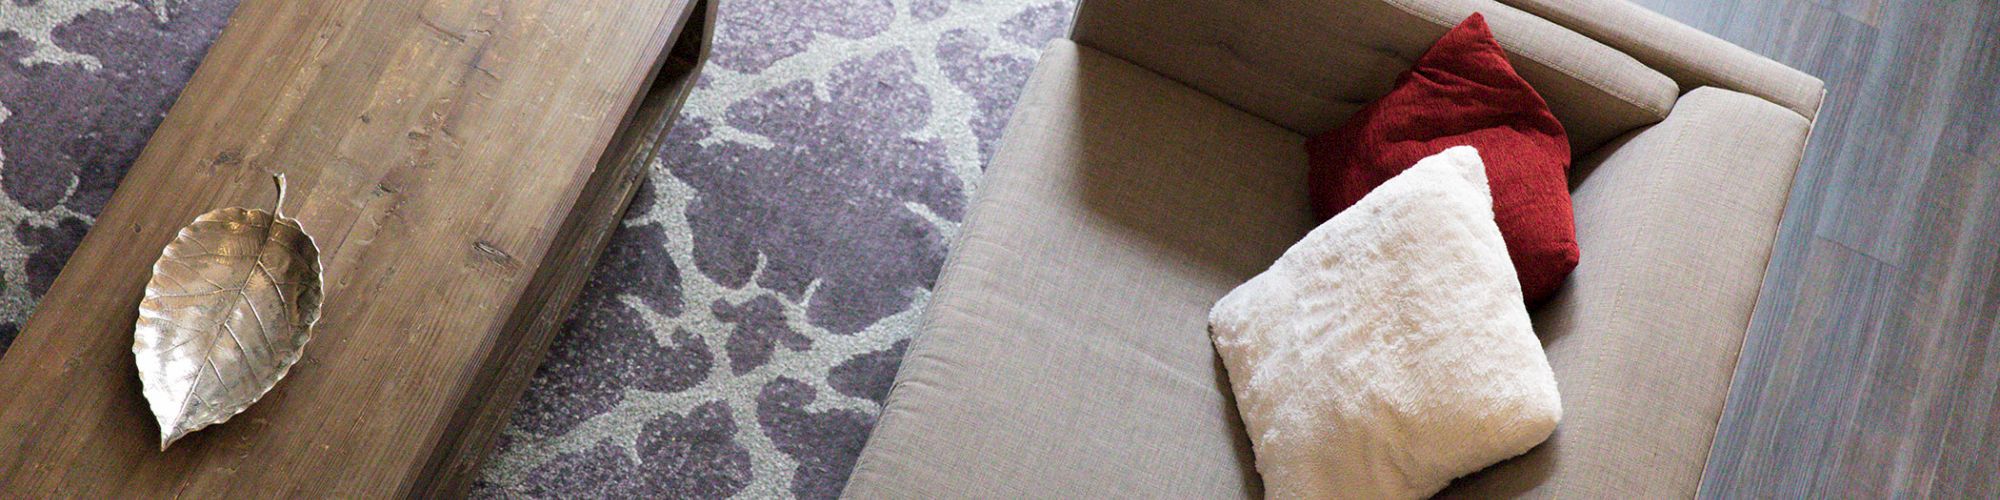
x: 279, y: 210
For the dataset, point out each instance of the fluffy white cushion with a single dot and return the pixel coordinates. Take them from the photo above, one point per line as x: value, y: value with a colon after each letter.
x: 1389, y: 351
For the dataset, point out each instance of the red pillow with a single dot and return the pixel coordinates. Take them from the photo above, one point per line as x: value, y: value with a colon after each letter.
x: 1463, y: 92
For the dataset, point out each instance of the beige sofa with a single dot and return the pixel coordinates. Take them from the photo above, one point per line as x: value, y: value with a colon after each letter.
x: 1154, y: 162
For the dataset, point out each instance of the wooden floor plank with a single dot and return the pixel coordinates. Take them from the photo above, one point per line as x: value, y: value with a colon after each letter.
x: 1865, y: 11
x: 460, y: 163
x: 1871, y: 363
x: 1908, y: 93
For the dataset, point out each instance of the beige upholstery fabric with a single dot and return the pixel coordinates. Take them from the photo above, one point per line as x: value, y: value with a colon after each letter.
x: 1066, y: 353
x: 1308, y: 64
x: 1676, y: 224
x: 1691, y: 57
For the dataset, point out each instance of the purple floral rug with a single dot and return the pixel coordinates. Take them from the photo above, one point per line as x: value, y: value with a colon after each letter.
x: 748, y: 318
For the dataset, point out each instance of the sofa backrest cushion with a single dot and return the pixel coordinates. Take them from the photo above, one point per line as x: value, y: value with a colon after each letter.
x: 1689, y: 56
x: 1308, y: 64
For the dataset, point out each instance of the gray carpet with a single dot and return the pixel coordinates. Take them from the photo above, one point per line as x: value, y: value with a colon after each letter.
x: 749, y: 316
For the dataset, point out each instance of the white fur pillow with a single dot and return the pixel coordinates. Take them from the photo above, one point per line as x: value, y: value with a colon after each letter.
x: 1389, y: 351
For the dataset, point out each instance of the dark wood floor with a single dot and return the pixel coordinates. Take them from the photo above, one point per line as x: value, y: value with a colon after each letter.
x: 1872, y: 366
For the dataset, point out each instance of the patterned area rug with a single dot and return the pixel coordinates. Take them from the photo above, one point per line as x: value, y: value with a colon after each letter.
x: 749, y: 316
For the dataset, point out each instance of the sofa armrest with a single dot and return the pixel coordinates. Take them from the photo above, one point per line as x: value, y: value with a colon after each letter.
x: 1308, y: 64
x: 1692, y: 58
x: 1676, y: 222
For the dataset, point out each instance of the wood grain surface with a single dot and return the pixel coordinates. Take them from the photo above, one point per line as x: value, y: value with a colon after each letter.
x: 1871, y: 367
x: 461, y: 163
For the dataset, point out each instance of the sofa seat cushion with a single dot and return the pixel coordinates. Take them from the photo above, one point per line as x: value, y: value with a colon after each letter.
x: 1065, y: 352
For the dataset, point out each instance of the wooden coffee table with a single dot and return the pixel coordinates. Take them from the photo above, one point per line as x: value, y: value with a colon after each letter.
x: 461, y: 164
